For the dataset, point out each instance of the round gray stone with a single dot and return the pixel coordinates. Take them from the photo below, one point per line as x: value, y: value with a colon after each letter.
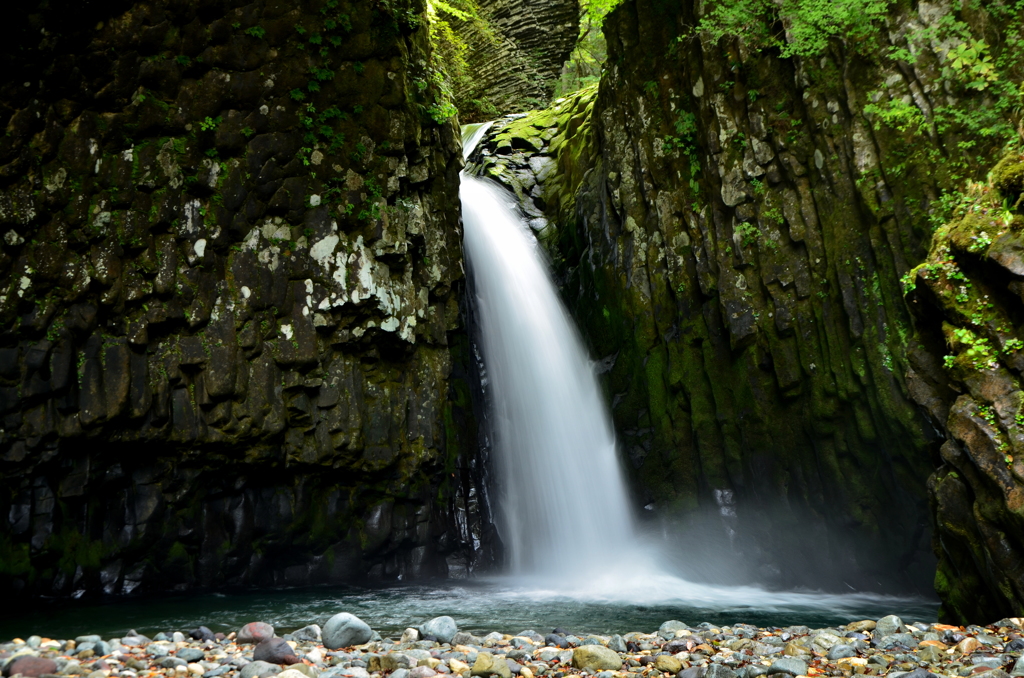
x: 345, y: 630
x: 719, y: 671
x: 888, y: 625
x: 790, y: 665
x: 669, y: 628
x: 308, y: 634
x: 260, y: 669
x: 171, y: 662
x: 442, y: 628
x: 191, y: 654
x: 840, y: 651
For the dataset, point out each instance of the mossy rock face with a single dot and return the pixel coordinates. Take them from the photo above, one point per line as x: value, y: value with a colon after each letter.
x: 515, y: 67
x: 966, y: 298
x: 1008, y: 175
x: 732, y: 248
x: 230, y: 269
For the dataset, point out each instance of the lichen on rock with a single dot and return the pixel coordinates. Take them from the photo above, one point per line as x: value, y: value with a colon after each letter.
x: 730, y: 228
x: 231, y: 271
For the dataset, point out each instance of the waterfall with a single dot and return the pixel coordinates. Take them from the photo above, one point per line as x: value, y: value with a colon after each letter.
x: 562, y: 499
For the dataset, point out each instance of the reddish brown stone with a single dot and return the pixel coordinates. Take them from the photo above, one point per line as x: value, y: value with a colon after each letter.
x: 274, y: 651
x: 31, y: 666
x: 255, y: 632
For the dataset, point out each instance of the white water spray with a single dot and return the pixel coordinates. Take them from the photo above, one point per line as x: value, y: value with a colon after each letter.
x: 563, y: 500
x: 563, y: 507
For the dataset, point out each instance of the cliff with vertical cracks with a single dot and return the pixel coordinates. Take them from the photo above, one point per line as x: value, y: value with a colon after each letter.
x: 231, y: 350
x: 730, y: 228
x: 515, y: 66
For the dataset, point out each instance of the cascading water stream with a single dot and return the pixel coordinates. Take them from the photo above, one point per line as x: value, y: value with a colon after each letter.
x: 562, y: 501
x: 562, y: 497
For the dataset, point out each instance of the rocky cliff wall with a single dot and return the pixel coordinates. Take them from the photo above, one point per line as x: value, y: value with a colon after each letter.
x: 730, y: 228
x: 231, y: 340
x: 515, y: 64
x: 968, y: 313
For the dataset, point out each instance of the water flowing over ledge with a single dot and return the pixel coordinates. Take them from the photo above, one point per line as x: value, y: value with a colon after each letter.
x: 563, y: 503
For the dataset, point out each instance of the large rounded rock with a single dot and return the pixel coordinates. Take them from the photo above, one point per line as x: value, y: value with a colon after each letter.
x: 886, y: 626
x: 345, y: 630
x: 275, y: 651
x: 254, y: 632
x: 596, y: 658
x: 31, y: 666
x: 442, y: 628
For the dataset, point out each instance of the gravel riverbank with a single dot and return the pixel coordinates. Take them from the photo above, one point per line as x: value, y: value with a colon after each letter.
x: 347, y: 648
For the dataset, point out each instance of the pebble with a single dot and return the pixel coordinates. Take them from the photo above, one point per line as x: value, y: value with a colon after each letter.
x: 259, y: 669
x: 884, y: 647
x: 191, y: 654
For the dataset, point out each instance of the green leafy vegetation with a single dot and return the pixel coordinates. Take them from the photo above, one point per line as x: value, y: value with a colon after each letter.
x: 448, y: 69
x: 684, y: 141
x: 590, y: 52
x: 811, y: 24
x: 748, y: 234
x: 210, y: 124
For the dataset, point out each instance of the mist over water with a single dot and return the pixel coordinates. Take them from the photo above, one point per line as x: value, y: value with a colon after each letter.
x: 563, y: 508
x: 578, y: 559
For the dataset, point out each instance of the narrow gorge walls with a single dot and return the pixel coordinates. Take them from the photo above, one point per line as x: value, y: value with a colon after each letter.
x: 731, y: 221
x: 516, y: 66
x: 230, y: 338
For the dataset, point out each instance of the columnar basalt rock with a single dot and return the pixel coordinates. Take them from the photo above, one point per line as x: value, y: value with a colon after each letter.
x: 730, y: 228
x: 231, y: 270
x: 515, y: 66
